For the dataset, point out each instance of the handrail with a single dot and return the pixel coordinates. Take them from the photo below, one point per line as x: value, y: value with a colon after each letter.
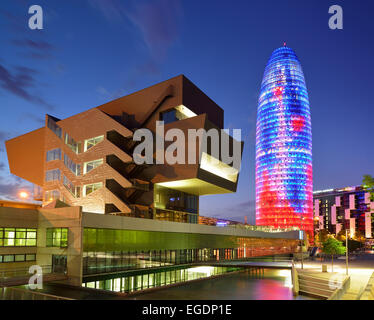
x: 33, y: 294
x: 22, y: 271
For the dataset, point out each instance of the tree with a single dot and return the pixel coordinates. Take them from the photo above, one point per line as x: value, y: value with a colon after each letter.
x: 341, y: 235
x: 333, y: 247
x: 368, y: 184
x: 359, y: 236
x: 322, y: 236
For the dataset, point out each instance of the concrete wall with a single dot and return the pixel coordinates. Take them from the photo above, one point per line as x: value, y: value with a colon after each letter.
x: 17, y: 218
x: 69, y: 217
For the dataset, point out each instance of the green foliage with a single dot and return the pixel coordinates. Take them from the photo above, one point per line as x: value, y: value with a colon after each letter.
x: 333, y: 247
x: 321, y: 237
x: 341, y: 235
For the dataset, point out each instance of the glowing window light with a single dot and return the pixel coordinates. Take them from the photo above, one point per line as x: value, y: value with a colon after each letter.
x: 284, y: 183
x: 218, y: 168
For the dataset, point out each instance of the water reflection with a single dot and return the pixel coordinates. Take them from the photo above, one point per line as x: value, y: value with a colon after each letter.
x: 271, y: 284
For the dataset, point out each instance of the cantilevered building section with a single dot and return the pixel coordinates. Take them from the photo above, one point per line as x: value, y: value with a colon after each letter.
x: 284, y: 183
x: 87, y: 159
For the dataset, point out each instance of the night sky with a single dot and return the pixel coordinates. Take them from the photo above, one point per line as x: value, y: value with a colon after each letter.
x: 93, y: 51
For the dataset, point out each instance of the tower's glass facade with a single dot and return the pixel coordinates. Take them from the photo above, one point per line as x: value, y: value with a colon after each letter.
x: 284, y: 182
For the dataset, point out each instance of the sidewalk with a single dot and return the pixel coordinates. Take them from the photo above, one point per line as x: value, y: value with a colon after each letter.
x: 360, y: 271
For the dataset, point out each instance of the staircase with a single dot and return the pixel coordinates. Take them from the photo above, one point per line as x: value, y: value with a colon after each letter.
x: 325, y: 286
x: 123, y: 185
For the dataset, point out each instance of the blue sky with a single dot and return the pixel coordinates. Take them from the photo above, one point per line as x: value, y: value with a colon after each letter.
x: 92, y: 51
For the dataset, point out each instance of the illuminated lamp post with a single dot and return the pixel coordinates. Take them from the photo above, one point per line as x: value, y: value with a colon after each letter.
x: 23, y: 195
x: 346, y: 250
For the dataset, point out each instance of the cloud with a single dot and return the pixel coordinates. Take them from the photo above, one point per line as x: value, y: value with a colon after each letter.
x: 3, y: 136
x: 157, y: 20
x: 19, y: 81
x: 31, y: 44
x: 39, y: 119
x: 9, y: 189
x: 35, y: 49
x: 110, y: 9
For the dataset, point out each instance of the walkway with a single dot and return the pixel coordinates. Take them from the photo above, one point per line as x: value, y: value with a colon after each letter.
x: 277, y: 264
x: 360, y: 271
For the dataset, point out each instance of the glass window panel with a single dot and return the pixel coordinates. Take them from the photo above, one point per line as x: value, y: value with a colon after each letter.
x: 9, y: 258
x: 54, y: 154
x: 89, y: 143
x: 19, y: 257
x: 88, y: 166
x: 51, y: 124
x: 30, y: 257
x: 31, y: 242
x: 52, y: 175
x: 89, y: 188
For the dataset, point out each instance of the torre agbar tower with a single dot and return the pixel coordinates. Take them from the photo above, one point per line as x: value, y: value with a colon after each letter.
x: 284, y: 181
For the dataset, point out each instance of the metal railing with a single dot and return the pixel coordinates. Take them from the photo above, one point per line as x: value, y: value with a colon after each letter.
x: 13, y: 293
x: 19, y: 272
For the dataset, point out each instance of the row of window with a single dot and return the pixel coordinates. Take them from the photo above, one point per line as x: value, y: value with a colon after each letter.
x: 69, y: 141
x: 114, y: 261
x: 17, y: 237
x: 54, y: 174
x: 25, y: 237
x: 157, y: 279
x: 17, y: 257
x: 51, y: 195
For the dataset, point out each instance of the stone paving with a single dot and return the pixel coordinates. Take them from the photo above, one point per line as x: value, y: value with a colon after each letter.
x: 360, y: 269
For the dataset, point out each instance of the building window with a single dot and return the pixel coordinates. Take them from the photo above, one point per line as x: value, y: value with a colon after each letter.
x: 89, y: 188
x: 17, y: 258
x: 73, y: 167
x: 178, y: 113
x: 89, y: 143
x: 88, y: 166
x: 17, y: 237
x: 54, y: 154
x: 52, y: 175
x: 57, y: 237
x: 72, y: 144
x: 51, y: 124
x: 8, y: 258
x: 169, y: 116
x: 75, y: 191
x: 30, y: 257
x: 52, y: 195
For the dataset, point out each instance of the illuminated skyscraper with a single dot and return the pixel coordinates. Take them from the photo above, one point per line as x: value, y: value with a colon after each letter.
x: 284, y: 181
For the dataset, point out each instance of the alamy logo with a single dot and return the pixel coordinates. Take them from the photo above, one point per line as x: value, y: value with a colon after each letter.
x: 224, y: 151
x: 36, y: 20
x: 36, y: 280
x: 335, y: 282
x: 336, y: 20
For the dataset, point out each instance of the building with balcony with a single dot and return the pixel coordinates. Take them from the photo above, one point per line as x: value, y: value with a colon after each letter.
x: 347, y: 208
x: 87, y: 159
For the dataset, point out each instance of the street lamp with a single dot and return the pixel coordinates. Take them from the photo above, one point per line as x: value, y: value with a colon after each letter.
x: 346, y: 250
x: 23, y: 195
